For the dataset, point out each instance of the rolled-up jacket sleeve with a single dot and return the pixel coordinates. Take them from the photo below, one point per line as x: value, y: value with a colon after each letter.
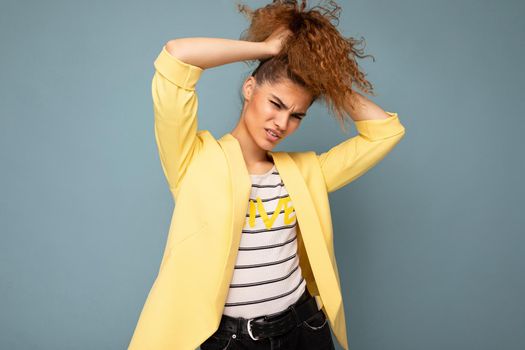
x: 175, y: 105
x: 351, y: 158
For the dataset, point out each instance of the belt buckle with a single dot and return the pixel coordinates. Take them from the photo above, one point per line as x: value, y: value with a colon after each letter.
x: 248, y: 326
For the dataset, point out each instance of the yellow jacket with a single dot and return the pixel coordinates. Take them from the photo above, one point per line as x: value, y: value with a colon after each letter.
x: 210, y: 185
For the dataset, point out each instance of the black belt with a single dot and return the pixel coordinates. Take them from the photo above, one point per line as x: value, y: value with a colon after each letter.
x: 274, y: 325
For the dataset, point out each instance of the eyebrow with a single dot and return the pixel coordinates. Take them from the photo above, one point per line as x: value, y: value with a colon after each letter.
x: 283, y: 105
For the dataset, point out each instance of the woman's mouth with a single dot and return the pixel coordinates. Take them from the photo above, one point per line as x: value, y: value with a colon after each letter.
x: 271, y: 136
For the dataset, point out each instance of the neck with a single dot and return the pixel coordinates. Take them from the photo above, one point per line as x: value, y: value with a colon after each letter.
x: 252, y: 153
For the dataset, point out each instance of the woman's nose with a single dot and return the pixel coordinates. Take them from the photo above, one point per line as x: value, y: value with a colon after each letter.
x: 281, y: 122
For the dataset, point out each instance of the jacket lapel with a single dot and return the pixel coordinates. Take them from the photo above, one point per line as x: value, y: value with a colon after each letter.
x: 240, y: 188
x: 311, y: 233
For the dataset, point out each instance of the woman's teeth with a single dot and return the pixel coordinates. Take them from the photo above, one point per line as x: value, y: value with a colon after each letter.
x: 272, y: 133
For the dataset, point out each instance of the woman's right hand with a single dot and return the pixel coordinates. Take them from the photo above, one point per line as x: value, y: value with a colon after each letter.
x: 276, y: 40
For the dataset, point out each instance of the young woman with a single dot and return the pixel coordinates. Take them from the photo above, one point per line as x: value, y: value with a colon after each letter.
x: 249, y: 261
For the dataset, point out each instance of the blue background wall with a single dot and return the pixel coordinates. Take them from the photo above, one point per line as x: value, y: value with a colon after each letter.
x: 429, y: 242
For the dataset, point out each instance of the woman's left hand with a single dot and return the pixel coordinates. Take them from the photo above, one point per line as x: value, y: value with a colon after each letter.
x: 277, y: 39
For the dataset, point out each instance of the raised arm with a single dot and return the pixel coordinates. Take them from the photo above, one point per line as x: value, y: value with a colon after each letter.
x: 211, y: 52
x: 178, y: 69
x: 378, y: 133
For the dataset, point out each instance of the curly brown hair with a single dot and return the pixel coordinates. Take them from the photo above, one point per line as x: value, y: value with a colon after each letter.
x: 317, y: 56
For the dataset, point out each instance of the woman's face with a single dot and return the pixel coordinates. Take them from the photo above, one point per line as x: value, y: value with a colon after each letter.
x: 277, y: 107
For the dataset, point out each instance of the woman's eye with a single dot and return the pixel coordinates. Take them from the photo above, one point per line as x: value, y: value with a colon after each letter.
x: 279, y: 107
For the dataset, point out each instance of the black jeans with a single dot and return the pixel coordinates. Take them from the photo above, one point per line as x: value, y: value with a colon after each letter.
x: 313, y: 333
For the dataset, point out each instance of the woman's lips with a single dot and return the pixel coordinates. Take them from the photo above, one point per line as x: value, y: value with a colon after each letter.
x: 270, y: 136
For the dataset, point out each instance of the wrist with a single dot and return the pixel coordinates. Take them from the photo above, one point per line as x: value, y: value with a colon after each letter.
x: 267, y: 50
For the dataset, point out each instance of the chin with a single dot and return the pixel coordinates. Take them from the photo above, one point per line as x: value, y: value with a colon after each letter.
x: 267, y: 145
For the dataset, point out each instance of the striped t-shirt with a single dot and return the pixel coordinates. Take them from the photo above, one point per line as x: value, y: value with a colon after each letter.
x: 267, y: 277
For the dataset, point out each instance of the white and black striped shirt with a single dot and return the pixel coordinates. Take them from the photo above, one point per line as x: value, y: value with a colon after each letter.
x: 267, y: 277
